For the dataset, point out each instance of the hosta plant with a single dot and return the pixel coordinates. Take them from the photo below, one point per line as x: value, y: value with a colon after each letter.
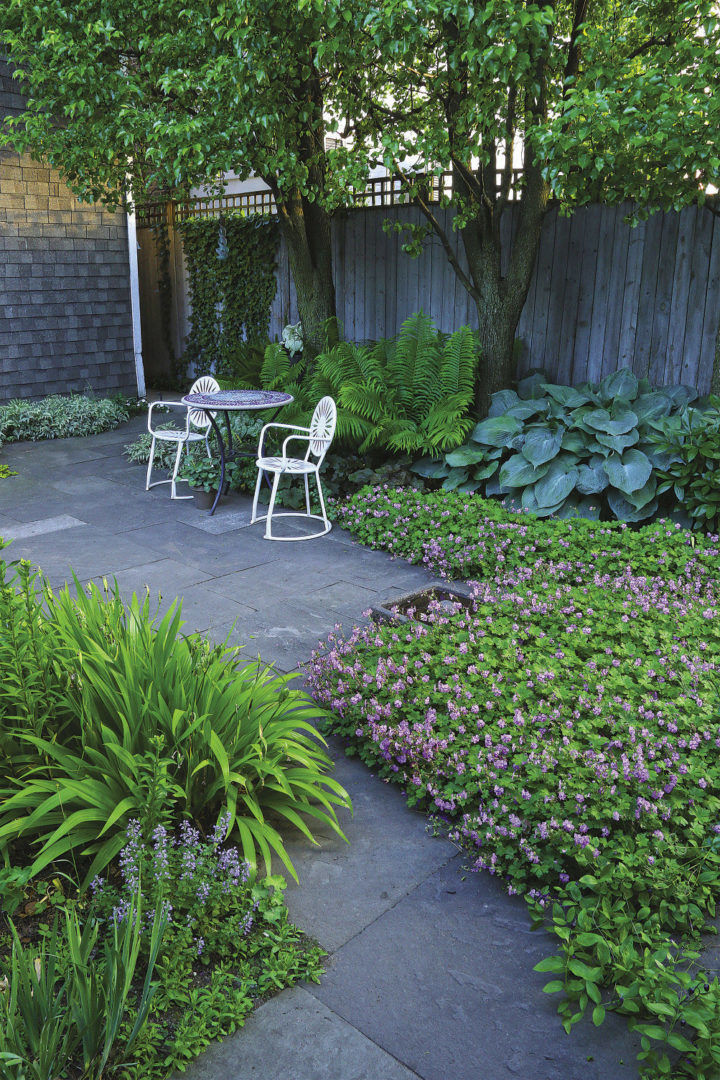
x: 568, y: 451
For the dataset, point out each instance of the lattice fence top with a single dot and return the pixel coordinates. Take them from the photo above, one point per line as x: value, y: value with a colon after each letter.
x: 380, y: 191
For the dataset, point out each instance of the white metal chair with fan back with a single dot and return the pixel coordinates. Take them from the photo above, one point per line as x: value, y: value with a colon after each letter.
x: 197, y: 429
x: 318, y: 437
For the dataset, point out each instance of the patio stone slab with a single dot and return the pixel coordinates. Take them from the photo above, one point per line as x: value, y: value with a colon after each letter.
x: 344, y: 887
x: 444, y: 983
x: 40, y: 527
x: 296, y: 1037
x: 86, y: 550
x: 219, y: 555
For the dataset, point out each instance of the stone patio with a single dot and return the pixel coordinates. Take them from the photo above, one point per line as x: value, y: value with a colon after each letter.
x: 429, y: 973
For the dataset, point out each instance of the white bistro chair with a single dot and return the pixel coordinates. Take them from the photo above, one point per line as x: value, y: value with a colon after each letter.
x: 318, y: 438
x: 197, y: 429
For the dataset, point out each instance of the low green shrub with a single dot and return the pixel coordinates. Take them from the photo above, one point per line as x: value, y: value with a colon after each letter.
x: 465, y: 536
x: 690, y: 444
x: 586, y: 451
x: 59, y: 417
x: 565, y: 728
x: 227, y: 939
x: 131, y: 720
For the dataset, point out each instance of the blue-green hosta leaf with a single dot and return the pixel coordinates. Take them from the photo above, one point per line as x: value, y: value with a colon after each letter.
x: 518, y: 442
x: 623, y: 511
x: 575, y: 441
x: 465, y: 455
x: 469, y: 487
x: 502, y: 401
x: 494, y: 487
x: 641, y: 498
x: 652, y: 406
x: 569, y: 396
x: 549, y: 511
x: 618, y: 443
x: 455, y: 479
x: 486, y: 470
x: 628, y: 472
x: 619, y: 422
x: 431, y: 468
x: 620, y: 384
x: 497, y: 430
x: 518, y: 472
x: 542, y: 444
x: 532, y: 386
x: 585, y: 508
x: 556, y: 485
x: 524, y: 410
x: 591, y: 479
x: 680, y: 395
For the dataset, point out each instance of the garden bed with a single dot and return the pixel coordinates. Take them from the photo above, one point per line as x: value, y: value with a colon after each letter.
x: 565, y: 730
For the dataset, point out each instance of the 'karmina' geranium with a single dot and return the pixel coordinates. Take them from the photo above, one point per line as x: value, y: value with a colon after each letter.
x: 555, y: 725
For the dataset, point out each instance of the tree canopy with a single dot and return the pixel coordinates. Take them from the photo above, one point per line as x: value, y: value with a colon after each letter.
x: 147, y: 95
x: 588, y: 99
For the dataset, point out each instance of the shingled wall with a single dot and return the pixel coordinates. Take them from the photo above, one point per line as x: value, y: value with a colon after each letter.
x: 65, y: 316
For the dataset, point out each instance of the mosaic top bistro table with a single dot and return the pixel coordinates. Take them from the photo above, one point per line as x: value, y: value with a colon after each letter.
x: 227, y: 401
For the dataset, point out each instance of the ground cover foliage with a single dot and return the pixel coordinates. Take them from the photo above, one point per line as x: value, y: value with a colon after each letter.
x: 147, y: 779
x: 60, y: 416
x: 565, y: 727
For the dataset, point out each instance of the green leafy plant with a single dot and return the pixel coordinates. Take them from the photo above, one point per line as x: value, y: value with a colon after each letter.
x: 145, y: 709
x: 568, y: 451
x: 690, y: 444
x: 59, y: 417
x: 231, y: 268
x: 67, y: 1003
x: 410, y: 394
x: 200, y: 471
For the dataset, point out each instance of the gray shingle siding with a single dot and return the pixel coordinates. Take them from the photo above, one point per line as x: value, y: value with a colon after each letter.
x: 65, y: 315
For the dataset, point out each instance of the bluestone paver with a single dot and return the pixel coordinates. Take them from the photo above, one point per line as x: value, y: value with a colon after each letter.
x: 429, y: 973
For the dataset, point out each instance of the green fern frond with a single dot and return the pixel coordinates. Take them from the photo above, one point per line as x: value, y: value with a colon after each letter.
x: 371, y: 402
x: 447, y: 423
x: 414, y: 370
x: 458, y: 363
x: 276, y: 369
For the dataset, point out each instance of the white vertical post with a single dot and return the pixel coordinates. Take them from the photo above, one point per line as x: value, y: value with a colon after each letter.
x: 135, y: 303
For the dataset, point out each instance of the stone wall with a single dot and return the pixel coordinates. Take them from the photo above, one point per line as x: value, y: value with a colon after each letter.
x: 65, y: 316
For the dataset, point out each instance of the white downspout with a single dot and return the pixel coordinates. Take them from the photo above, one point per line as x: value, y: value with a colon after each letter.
x: 135, y: 302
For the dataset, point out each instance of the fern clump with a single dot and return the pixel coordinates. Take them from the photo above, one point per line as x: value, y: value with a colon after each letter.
x: 410, y: 395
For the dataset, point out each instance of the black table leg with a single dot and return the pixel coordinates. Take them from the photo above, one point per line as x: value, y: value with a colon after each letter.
x: 221, y: 446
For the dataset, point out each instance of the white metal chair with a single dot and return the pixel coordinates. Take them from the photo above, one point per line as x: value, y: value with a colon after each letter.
x: 318, y: 437
x: 199, y: 432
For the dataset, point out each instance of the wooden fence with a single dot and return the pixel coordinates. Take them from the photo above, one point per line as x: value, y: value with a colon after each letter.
x: 604, y: 295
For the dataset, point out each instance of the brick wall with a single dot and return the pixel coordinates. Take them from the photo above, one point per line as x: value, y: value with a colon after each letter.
x: 65, y: 318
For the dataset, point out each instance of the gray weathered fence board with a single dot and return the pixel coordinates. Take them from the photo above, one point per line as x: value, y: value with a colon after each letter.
x: 603, y: 295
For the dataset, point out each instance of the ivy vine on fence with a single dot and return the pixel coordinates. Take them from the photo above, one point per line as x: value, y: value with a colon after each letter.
x: 231, y: 268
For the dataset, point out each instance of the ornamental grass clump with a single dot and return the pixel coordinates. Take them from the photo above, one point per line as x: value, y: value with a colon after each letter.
x: 108, y: 713
x: 566, y: 730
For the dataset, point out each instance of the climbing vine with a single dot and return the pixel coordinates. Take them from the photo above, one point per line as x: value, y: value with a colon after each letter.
x: 231, y: 270
x: 161, y: 236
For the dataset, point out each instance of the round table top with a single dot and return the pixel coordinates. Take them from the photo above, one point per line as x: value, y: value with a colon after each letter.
x: 226, y: 400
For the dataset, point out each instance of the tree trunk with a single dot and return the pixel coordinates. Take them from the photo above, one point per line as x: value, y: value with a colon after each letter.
x: 306, y: 229
x: 500, y: 299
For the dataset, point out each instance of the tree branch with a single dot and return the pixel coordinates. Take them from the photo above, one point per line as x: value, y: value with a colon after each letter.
x: 442, y: 236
